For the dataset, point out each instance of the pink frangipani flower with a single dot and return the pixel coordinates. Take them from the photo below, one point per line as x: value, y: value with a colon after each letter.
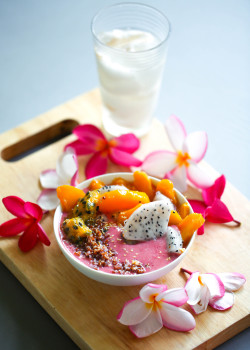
x: 26, y: 222
x: 92, y: 141
x: 182, y: 164
x: 212, y: 289
x: 212, y: 208
x: 66, y: 173
x: 154, y: 308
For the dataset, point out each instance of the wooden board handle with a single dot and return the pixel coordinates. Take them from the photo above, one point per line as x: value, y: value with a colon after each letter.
x: 35, y: 142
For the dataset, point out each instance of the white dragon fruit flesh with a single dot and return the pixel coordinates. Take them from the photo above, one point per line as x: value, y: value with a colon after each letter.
x: 149, y: 221
x: 109, y: 188
x: 174, y: 240
x: 160, y: 197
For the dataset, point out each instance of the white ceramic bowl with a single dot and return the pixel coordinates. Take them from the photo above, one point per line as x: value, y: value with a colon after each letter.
x: 115, y: 279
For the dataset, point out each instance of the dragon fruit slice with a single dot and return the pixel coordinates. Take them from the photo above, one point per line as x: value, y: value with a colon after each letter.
x: 160, y: 197
x: 149, y: 221
x: 174, y: 240
x: 111, y: 188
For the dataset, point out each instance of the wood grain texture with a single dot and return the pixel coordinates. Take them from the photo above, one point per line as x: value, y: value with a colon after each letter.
x: 86, y: 309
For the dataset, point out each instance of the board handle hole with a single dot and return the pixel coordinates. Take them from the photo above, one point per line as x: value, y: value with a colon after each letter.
x: 37, y: 141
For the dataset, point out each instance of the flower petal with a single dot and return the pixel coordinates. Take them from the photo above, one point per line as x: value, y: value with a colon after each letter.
x: 175, y: 296
x: 151, y: 325
x: 193, y: 288
x: 49, y: 179
x: 176, y: 132
x: 81, y: 148
x: 13, y: 227
x: 159, y: 163
x: 66, y: 166
x: 214, y: 284
x: 179, y: 178
x: 42, y: 235
x: 198, y: 207
x: 15, y: 206
x: 33, y: 210
x: 215, y: 191
x: 74, y: 179
x: 176, y: 318
x: 232, y: 280
x: 123, y: 158
x: 88, y: 133
x: 224, y: 303
x: 97, y: 165
x: 133, y: 312
x: 218, y: 213
x: 202, y: 304
x: 150, y: 290
x: 29, y: 238
x: 128, y: 143
x: 198, y: 176
x: 48, y: 199
x: 195, y: 145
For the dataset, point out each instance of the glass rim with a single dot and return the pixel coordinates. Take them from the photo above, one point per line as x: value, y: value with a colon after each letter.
x: 131, y: 4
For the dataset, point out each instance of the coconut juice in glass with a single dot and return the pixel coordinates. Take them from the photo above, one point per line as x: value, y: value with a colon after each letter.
x: 130, y: 45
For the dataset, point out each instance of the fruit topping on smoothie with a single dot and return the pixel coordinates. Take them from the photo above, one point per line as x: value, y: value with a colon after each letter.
x: 149, y: 221
x: 126, y: 227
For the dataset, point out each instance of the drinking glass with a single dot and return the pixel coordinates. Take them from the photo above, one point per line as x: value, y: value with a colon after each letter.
x: 130, y: 42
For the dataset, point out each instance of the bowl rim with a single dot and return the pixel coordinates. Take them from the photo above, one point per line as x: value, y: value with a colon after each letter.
x: 56, y: 225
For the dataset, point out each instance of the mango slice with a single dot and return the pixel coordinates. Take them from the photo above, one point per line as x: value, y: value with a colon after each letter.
x: 189, y: 225
x: 143, y: 183
x: 120, y: 200
x: 69, y: 196
x: 95, y: 185
x: 184, y: 210
x: 124, y: 215
x: 166, y: 187
x: 174, y: 218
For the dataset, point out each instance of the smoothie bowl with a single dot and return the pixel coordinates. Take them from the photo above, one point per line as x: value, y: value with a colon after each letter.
x: 124, y: 228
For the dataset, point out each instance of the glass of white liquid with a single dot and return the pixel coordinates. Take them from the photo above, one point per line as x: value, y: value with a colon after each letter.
x: 130, y: 42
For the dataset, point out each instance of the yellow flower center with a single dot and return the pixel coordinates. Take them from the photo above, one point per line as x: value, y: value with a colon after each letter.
x: 104, y: 146
x: 100, y: 145
x: 200, y: 281
x: 112, y: 143
x: 156, y: 304
x: 182, y: 159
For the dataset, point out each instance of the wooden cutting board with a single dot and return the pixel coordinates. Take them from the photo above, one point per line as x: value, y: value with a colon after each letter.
x: 86, y: 310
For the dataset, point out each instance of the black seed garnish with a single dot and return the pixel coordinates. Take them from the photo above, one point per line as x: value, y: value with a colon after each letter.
x: 75, y: 227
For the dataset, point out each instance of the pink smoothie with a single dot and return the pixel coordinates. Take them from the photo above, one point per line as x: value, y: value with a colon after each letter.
x: 152, y: 254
